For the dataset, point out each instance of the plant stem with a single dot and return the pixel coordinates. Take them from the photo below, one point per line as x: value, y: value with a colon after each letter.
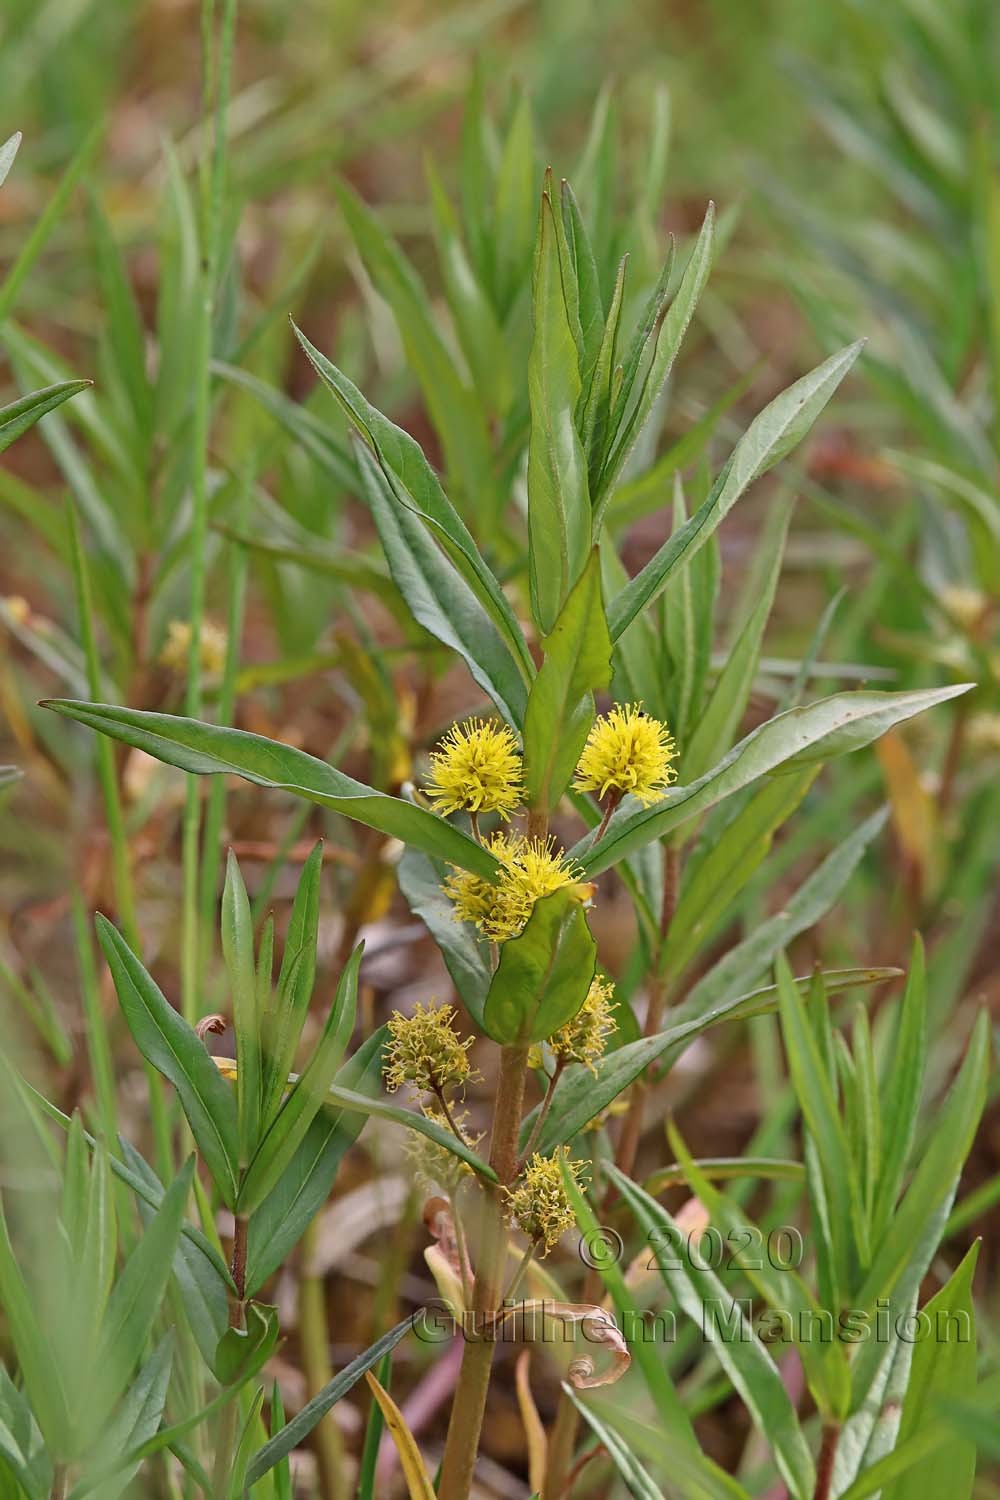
x: 469, y: 1406
x: 60, y: 1478
x: 226, y: 1437
x: 542, y: 1115
x: 825, y: 1462
x: 214, y: 179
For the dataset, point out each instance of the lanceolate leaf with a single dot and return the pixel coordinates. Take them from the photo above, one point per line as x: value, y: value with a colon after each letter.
x: 237, y: 946
x: 279, y: 1223
x: 168, y: 1042
x: 22, y: 414
x: 802, y: 736
x: 416, y: 487
x: 576, y: 665
x: 543, y: 975
x: 559, y: 519
x: 417, y: 1482
x: 293, y: 1433
x: 747, y: 1363
x: 766, y: 441
x: 579, y: 1096
x: 208, y: 749
x: 438, y: 596
x: 307, y: 1096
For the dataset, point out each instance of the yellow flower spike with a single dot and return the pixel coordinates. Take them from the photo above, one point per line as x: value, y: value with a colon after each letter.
x: 585, y: 1037
x: 538, y: 1203
x: 476, y: 769
x: 426, y: 1051
x: 529, y: 869
x: 627, y: 752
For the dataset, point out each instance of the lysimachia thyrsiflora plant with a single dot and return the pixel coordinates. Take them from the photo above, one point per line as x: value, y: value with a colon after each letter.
x: 530, y: 805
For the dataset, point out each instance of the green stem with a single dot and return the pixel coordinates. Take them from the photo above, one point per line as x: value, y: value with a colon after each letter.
x: 214, y: 179
x: 469, y: 1406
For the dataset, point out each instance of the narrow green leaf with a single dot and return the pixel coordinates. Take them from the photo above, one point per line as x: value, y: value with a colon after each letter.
x: 166, y: 1041
x: 8, y: 151
x: 576, y: 664
x: 286, y: 1010
x: 25, y: 412
x: 799, y: 737
x: 668, y: 342
x: 304, y: 1186
x: 772, y: 435
x: 138, y: 1293
x: 747, y: 1363
x: 292, y: 1434
x: 437, y: 595
x: 902, y: 1087
x: 543, y: 975
x: 465, y: 954
x: 638, y: 1482
x: 559, y: 519
x: 237, y: 948
x: 308, y: 1095
x: 210, y: 749
x: 661, y: 1445
x: 241, y: 1351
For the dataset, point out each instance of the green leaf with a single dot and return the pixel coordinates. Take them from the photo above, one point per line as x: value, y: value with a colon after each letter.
x: 237, y: 948
x: 717, y: 726
x: 210, y: 749
x: 137, y: 1418
x: 824, y: 1362
x: 639, y: 1484
x: 559, y: 519
x: 669, y: 1408
x: 668, y: 343
x: 292, y: 1434
x: 137, y: 1297
x: 416, y: 488
x: 279, y: 1223
x: 721, y: 867
x: 685, y: 1465
x: 799, y: 737
x: 287, y: 1008
x: 307, y: 1096
x: 22, y: 1446
x: 382, y: 1109
x: 940, y: 1161
x: 598, y: 396
x: 772, y: 435
x: 168, y: 1042
x: 25, y: 412
x: 813, y: 1089
x: 576, y: 664
x: 453, y: 408
x: 8, y: 151
x: 800, y: 911
x: 902, y: 1088
x: 579, y: 1096
x: 242, y: 1351
x: 38, y: 1363
x: 747, y: 1363
x: 437, y: 595
x: 420, y: 879
x: 543, y: 975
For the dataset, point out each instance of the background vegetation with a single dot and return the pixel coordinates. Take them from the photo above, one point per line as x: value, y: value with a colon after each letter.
x: 853, y: 152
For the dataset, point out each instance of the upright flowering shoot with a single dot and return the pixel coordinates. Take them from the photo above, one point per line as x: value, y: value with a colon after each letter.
x: 627, y: 752
x: 476, y: 769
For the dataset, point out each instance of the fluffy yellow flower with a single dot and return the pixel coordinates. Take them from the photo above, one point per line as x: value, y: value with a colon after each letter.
x: 476, y: 769
x: 538, y: 1203
x: 584, y: 1038
x: 425, y: 1050
x: 626, y: 752
x: 529, y: 869
x: 434, y: 1166
x: 176, y: 650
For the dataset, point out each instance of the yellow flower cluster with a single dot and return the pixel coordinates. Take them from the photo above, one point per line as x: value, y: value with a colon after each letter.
x: 538, y: 1203
x: 176, y: 651
x: 476, y: 769
x: 529, y: 869
x: 426, y: 1051
x: 584, y: 1038
x: 626, y: 752
x: 434, y: 1166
